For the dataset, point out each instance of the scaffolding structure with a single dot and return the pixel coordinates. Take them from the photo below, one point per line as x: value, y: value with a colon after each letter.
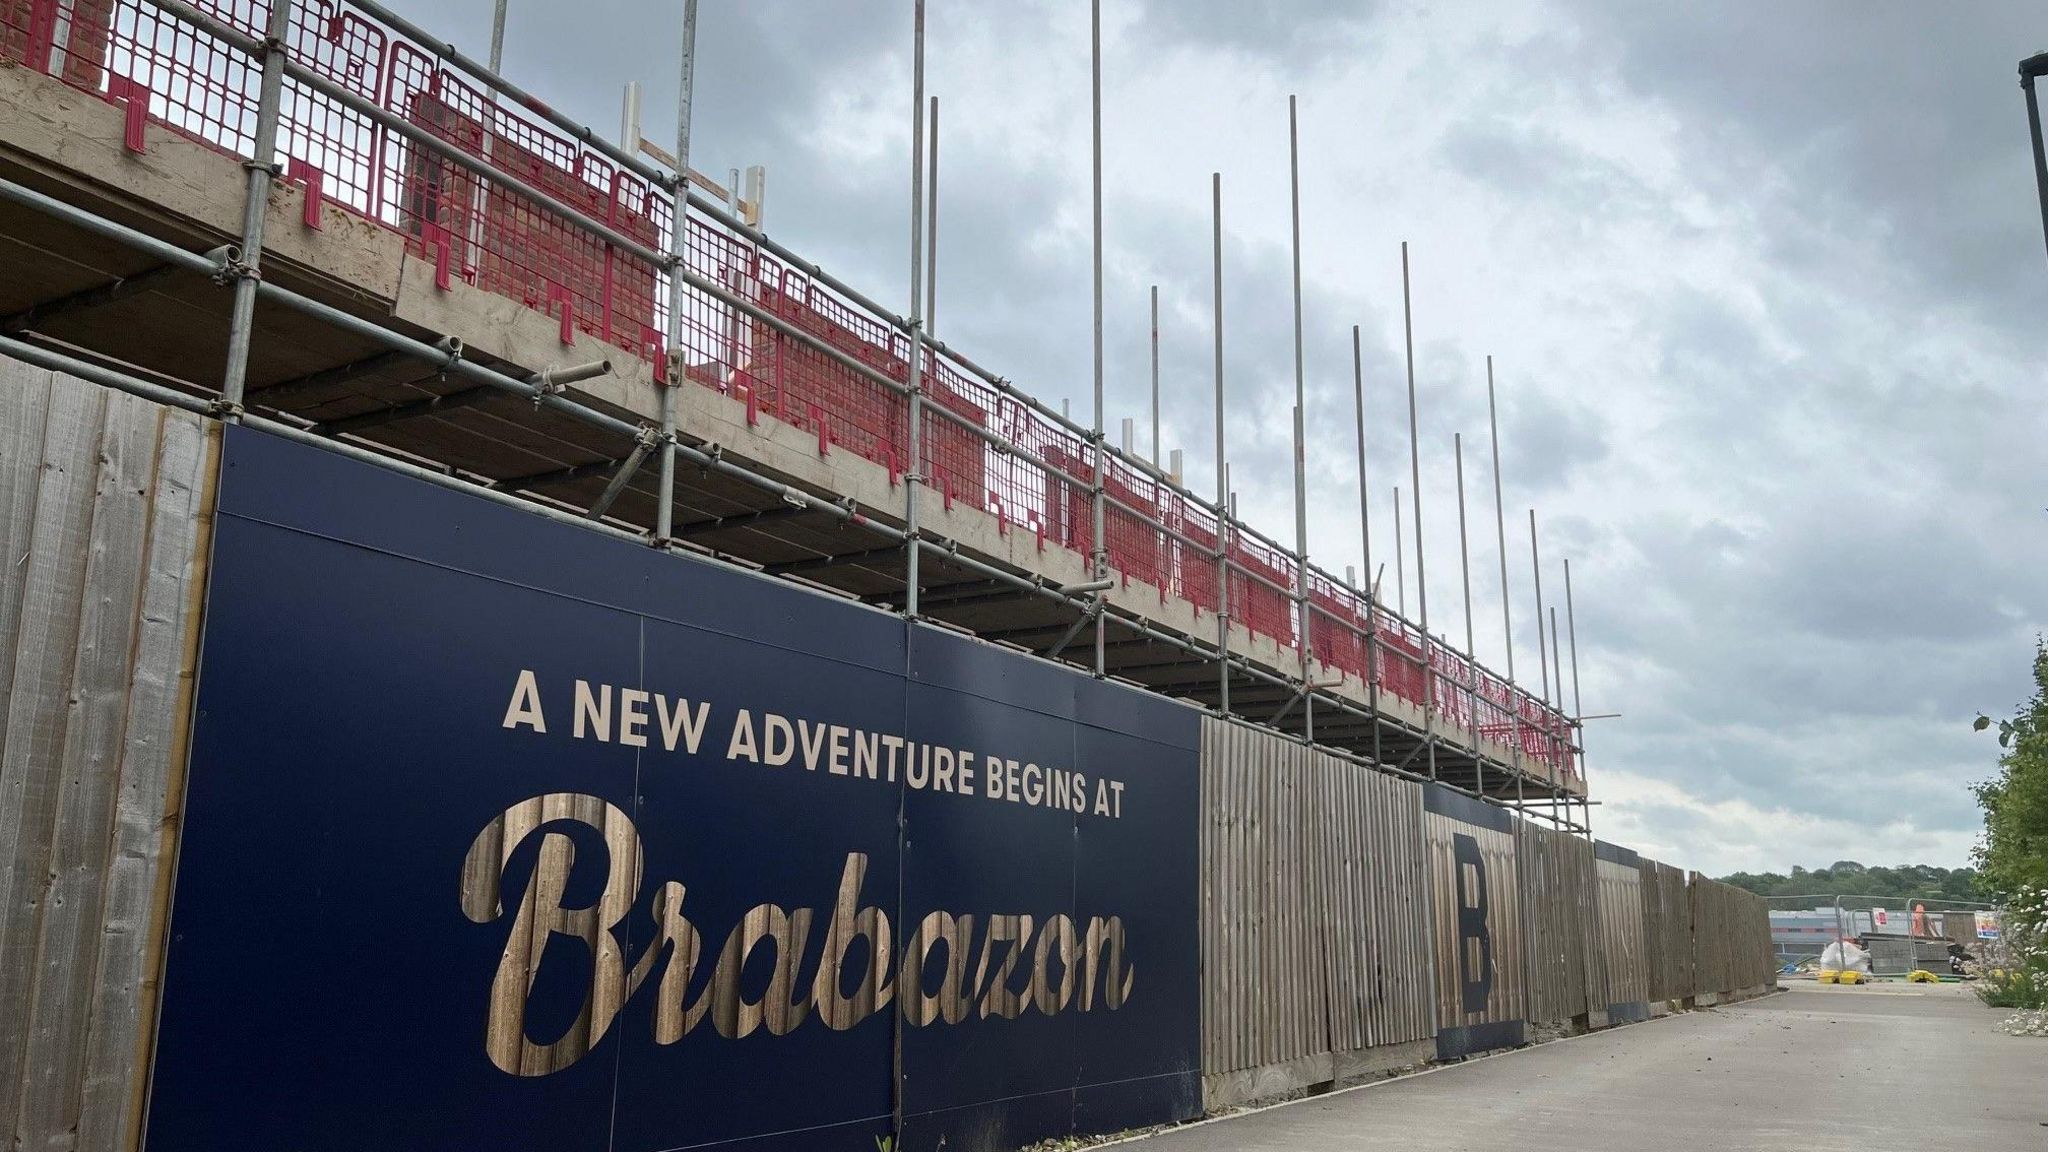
x: 367, y: 116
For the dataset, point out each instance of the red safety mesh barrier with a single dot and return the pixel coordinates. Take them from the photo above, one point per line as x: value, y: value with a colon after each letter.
x: 505, y: 241
x: 1494, y: 710
x: 1137, y: 548
x: 955, y: 457
x: 1453, y: 683
x: 1337, y: 626
x: 529, y: 248
x: 1194, y: 559
x: 1399, y: 650
x: 1260, y: 604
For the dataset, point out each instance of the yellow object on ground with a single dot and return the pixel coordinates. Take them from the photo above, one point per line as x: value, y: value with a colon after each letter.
x: 1849, y: 976
x: 1922, y: 976
x: 1827, y: 975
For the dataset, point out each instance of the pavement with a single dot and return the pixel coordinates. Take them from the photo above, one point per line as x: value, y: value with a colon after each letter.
x: 1814, y: 1068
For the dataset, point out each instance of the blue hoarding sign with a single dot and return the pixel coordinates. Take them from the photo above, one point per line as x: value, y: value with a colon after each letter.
x: 500, y: 833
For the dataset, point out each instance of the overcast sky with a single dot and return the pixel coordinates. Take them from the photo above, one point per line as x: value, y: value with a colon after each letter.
x: 1765, y: 287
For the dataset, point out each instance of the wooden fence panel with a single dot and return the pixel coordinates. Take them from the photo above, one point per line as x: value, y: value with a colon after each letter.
x: 1620, y: 916
x: 1556, y: 906
x: 1262, y: 978
x: 105, y: 504
x: 1372, y: 909
x: 1667, y: 931
x: 1315, y: 913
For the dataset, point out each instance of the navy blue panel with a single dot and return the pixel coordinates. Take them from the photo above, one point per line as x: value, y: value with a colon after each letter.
x: 989, y: 1082
x: 1470, y: 1040
x: 1615, y: 853
x: 330, y: 973
x: 1470, y: 809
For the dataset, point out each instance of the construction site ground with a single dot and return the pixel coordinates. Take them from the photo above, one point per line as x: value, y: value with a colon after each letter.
x: 1811, y: 1069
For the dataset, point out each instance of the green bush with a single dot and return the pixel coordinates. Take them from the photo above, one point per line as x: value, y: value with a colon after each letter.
x: 2015, y: 987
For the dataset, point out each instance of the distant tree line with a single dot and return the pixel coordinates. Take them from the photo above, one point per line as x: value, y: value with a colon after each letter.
x: 1897, y: 884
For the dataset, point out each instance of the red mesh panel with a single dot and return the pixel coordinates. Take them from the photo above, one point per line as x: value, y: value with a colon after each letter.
x: 1194, y: 565
x: 1400, y: 657
x: 1338, y: 642
x: 1136, y: 546
x: 1257, y: 604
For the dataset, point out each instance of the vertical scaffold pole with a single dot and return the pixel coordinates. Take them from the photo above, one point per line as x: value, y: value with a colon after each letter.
x: 261, y: 166
x: 2032, y: 68
x: 1415, y: 479
x: 1222, y: 467
x: 1158, y: 461
x: 931, y: 250
x: 498, y: 38
x: 914, y: 467
x: 1507, y: 620
x: 913, y: 470
x: 1542, y: 654
x: 1571, y: 631
x: 1536, y: 569
x: 1372, y: 674
x: 1099, y: 568
x: 1471, y: 659
x: 678, y: 244
x: 1400, y: 560
x: 1559, y: 670
x: 1302, y: 643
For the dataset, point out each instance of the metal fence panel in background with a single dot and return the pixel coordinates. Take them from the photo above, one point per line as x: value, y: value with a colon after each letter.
x: 103, y: 514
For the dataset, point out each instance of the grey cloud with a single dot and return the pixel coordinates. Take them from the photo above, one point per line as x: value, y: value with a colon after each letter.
x: 1804, y: 514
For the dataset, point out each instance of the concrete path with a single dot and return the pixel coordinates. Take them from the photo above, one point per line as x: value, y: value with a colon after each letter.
x: 1812, y: 1069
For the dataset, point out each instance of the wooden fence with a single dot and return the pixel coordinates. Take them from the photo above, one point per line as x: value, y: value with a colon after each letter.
x: 104, y: 515
x: 1337, y: 922
x: 1316, y: 935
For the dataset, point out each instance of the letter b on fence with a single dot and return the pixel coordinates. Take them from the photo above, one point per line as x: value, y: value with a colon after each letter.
x: 1475, y: 944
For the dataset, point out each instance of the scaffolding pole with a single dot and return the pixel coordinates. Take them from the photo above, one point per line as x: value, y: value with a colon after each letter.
x: 1098, y: 566
x: 671, y: 372
x: 1302, y: 643
x: 1571, y: 623
x: 1465, y: 578
x: 261, y: 167
x: 1372, y: 671
x: 1222, y: 461
x: 1156, y: 457
x: 913, y: 472
x: 931, y: 249
x: 1429, y: 708
x: 1507, y: 620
